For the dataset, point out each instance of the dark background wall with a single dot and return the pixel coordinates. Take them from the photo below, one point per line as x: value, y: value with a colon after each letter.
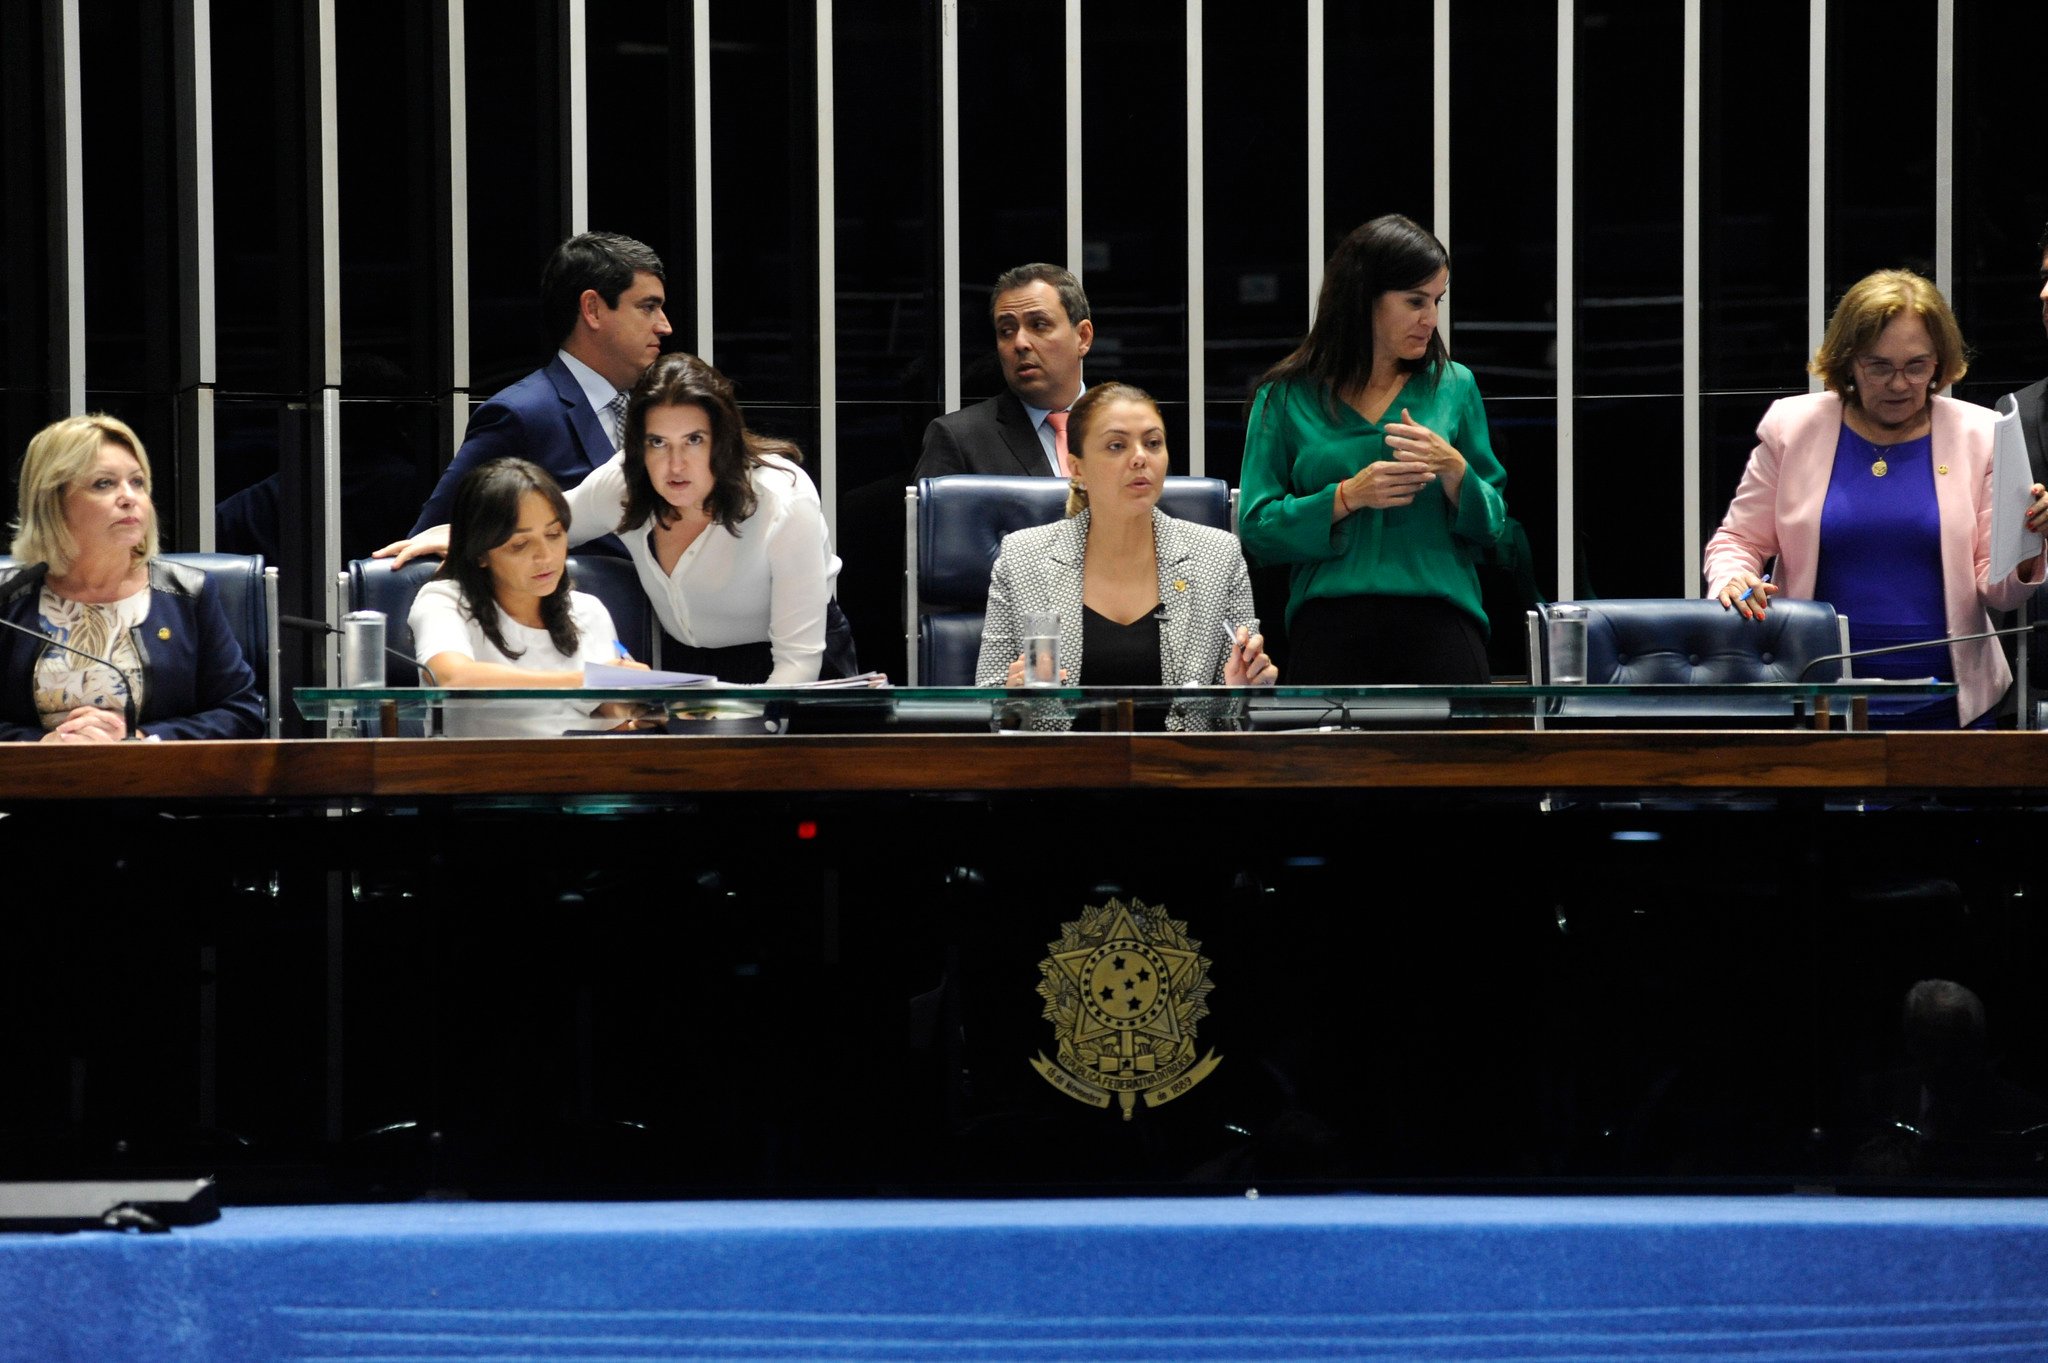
x: 428, y: 303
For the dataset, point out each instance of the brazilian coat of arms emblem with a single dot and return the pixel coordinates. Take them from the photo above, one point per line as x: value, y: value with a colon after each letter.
x: 1123, y: 988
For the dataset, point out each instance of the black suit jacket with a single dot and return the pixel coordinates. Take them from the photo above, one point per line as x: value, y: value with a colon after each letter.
x: 2033, y: 405
x: 990, y: 437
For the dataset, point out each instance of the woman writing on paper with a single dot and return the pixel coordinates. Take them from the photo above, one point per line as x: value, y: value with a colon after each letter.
x: 502, y: 612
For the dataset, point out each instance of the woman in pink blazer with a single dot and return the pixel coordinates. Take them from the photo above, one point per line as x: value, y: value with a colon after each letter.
x: 1875, y: 495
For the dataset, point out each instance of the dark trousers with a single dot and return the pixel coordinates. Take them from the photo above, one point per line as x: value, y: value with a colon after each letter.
x: 1384, y: 640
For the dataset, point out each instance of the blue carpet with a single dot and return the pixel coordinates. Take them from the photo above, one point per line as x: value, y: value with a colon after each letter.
x: 1536, y: 1279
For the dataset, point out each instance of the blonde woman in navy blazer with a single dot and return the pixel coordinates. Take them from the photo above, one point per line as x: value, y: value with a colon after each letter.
x: 1130, y: 564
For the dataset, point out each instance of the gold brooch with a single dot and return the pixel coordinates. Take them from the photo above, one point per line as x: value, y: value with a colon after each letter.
x: 1941, y: 468
x: 1180, y: 584
x: 163, y: 632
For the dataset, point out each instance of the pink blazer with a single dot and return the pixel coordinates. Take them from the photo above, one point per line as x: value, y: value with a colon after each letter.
x: 1777, y: 511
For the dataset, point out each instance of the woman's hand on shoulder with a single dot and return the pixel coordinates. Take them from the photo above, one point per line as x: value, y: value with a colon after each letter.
x: 1759, y: 594
x: 433, y: 540
x: 89, y: 724
x: 1246, y: 664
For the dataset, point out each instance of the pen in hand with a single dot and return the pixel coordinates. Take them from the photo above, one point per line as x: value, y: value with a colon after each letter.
x: 1750, y: 591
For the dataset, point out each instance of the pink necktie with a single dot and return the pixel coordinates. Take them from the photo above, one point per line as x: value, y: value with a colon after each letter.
x: 1058, y: 422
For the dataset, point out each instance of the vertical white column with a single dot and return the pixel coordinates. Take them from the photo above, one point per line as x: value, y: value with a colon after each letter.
x: 828, y: 277
x: 458, y: 223
x: 1689, y: 303
x: 1440, y: 140
x: 700, y: 123
x: 1318, y: 247
x: 578, y: 167
x: 1567, y: 304
x: 1945, y: 148
x: 328, y: 476
x: 204, y: 493
x: 1816, y: 178
x: 949, y: 203
x: 71, y: 157
x: 1198, y: 370
x: 1076, y: 248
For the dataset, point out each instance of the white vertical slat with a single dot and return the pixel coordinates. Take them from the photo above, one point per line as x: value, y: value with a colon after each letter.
x: 700, y: 122
x: 1440, y: 139
x: 1076, y: 248
x: 1816, y: 178
x: 828, y: 277
x: 1689, y: 304
x: 1567, y: 304
x: 330, y: 223
x: 206, y: 317
x: 71, y: 136
x: 1198, y: 369
x: 328, y: 474
x: 202, y: 205
x: 579, y: 119
x: 1318, y: 247
x: 949, y: 203
x: 1945, y: 148
x: 458, y: 222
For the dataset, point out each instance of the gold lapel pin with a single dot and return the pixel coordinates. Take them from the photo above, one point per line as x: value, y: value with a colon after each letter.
x: 1941, y: 468
x: 163, y: 632
x: 1180, y: 584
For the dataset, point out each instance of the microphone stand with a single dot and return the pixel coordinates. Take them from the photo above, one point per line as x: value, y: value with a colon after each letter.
x: 127, y: 683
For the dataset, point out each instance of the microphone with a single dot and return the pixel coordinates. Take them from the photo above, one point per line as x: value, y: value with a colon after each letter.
x: 312, y: 626
x: 37, y: 573
x: 1908, y: 648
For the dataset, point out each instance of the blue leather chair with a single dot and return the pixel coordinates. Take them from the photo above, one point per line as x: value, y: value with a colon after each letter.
x: 1662, y: 641
x: 954, y: 527
x: 372, y: 584
x: 248, y: 593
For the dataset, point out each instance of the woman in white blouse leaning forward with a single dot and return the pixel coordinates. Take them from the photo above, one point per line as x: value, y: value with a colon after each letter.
x: 726, y: 531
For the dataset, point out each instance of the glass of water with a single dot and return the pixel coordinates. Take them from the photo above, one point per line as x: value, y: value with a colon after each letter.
x: 1041, y: 648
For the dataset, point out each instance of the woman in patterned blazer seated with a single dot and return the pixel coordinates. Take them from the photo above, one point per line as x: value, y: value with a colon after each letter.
x: 1143, y: 599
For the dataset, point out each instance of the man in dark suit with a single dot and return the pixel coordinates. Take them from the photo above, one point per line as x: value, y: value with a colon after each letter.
x: 1043, y: 331
x: 2033, y: 399
x: 603, y: 295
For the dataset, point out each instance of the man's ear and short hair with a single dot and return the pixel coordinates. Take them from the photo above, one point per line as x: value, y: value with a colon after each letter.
x: 603, y: 261
x: 1072, y: 297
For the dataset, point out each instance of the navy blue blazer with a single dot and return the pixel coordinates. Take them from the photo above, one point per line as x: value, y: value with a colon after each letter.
x: 195, y: 681
x: 545, y: 418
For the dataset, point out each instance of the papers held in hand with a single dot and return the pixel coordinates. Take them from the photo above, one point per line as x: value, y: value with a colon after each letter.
x: 637, y: 678
x: 2012, y: 482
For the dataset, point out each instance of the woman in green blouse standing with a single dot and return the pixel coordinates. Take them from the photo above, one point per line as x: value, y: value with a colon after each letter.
x: 1368, y: 468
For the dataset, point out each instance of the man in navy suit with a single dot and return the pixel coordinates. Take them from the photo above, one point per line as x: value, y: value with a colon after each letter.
x: 603, y: 294
x: 1043, y: 330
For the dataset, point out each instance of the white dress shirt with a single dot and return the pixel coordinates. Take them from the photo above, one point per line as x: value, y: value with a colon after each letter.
x: 770, y: 581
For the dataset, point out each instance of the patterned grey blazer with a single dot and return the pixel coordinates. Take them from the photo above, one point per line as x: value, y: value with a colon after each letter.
x: 1202, y: 584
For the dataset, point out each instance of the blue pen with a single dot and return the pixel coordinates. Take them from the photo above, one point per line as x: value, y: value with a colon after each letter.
x: 1751, y: 591
x: 619, y: 650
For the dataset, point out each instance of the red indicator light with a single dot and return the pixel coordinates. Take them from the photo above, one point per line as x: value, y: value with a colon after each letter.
x: 806, y: 830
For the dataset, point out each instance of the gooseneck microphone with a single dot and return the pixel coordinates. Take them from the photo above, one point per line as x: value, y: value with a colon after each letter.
x: 312, y: 626
x: 1909, y: 647
x: 30, y: 578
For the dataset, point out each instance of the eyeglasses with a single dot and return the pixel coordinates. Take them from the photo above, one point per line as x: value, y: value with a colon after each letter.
x: 1880, y: 371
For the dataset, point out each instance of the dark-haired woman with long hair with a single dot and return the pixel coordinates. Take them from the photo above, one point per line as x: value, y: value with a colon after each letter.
x: 1367, y: 466
x: 501, y: 612
x: 727, y: 532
